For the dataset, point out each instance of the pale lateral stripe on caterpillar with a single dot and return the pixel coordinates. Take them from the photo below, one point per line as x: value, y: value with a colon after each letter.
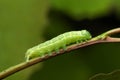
x: 61, y: 41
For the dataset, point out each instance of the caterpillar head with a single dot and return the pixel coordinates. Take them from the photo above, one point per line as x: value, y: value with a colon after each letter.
x: 86, y: 34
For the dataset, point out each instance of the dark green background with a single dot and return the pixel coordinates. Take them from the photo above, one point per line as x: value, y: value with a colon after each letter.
x: 25, y: 23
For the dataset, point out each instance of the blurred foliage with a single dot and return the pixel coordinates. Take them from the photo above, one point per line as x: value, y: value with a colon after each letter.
x: 117, y: 7
x: 115, y: 75
x: 25, y: 23
x: 80, y: 9
x: 21, y: 25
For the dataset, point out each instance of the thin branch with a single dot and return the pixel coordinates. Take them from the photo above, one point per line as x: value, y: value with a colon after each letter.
x: 113, y: 31
x: 24, y: 65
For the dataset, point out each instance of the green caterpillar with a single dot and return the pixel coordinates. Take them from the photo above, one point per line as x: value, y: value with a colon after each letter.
x: 59, y: 42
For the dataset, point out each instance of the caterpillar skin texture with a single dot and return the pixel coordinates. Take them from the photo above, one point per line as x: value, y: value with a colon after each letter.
x: 59, y: 42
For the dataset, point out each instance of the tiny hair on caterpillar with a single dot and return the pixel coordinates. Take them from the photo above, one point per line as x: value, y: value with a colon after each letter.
x: 57, y: 43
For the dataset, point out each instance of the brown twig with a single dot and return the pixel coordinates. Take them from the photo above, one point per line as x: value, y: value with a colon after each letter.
x: 24, y: 65
x: 113, y: 31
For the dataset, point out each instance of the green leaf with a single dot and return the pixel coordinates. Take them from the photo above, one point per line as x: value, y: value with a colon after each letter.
x: 115, y: 75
